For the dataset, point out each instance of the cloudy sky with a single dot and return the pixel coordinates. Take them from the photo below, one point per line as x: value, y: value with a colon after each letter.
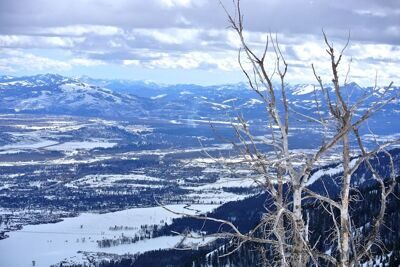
x: 181, y: 41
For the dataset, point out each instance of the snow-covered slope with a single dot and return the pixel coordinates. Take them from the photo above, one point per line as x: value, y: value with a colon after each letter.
x: 55, y: 94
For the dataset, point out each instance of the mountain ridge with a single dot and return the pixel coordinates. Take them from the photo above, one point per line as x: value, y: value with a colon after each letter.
x: 85, y: 96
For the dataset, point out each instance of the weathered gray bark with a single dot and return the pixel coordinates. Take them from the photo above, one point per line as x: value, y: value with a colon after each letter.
x: 299, y: 256
x: 344, y: 210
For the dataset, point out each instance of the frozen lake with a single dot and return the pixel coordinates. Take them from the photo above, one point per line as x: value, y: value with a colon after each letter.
x: 48, y: 244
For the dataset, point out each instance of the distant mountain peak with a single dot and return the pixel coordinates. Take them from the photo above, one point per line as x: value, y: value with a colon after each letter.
x: 56, y: 94
x: 304, y: 89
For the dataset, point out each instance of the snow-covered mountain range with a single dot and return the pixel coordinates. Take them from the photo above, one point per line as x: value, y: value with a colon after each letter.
x: 56, y: 94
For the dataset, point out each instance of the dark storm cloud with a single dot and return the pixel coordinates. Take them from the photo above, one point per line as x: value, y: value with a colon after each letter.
x: 119, y: 56
x: 369, y: 20
x: 193, y: 33
x: 20, y: 14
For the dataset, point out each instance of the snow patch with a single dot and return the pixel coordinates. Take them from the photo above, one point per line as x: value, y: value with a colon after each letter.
x: 49, y: 244
x: 158, y: 96
x: 304, y: 89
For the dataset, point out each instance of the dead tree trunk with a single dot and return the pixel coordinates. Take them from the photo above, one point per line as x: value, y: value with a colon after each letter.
x: 284, y: 230
x: 344, y: 210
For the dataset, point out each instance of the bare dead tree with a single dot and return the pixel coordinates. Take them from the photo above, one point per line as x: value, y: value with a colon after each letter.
x: 284, y: 226
x: 343, y: 114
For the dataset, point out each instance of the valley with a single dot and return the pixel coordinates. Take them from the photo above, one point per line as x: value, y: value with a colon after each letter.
x: 71, y: 150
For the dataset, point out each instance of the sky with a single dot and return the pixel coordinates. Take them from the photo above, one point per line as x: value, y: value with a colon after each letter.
x: 189, y: 41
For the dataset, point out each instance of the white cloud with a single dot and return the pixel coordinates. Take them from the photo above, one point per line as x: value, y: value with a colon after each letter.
x: 79, y: 30
x: 28, y: 41
x: 373, y: 13
x: 15, y: 61
x: 12, y: 60
x: 182, y: 3
x: 381, y: 52
x: 169, y: 36
x: 85, y: 62
x: 226, y: 61
x: 130, y: 62
x: 189, y: 47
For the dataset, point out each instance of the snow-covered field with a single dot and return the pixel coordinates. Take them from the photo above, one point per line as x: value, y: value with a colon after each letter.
x: 226, y: 182
x: 109, y: 180
x: 48, y: 244
x: 63, y: 135
x: 86, y: 145
x: 41, y: 143
x: 29, y: 145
